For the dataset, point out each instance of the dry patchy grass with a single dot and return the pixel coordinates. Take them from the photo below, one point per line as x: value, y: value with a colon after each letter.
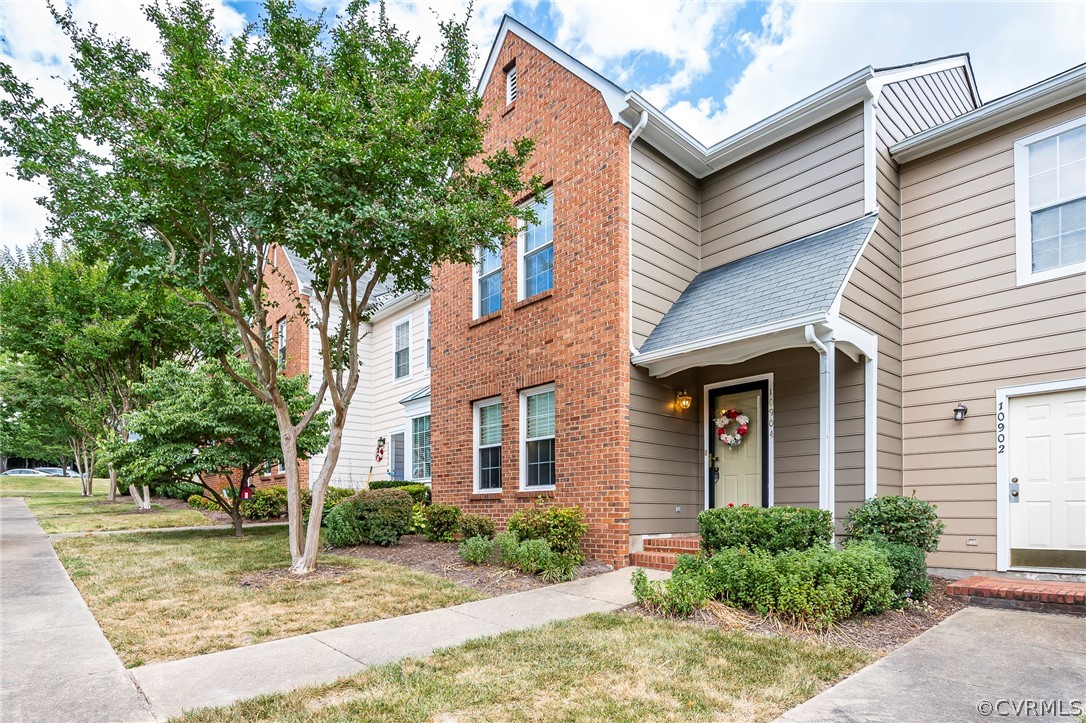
x: 169, y: 595
x: 57, y: 504
x: 601, y: 667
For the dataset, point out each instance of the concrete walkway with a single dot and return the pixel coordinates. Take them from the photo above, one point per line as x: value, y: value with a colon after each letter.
x: 55, y: 663
x: 979, y: 664
x: 281, y: 665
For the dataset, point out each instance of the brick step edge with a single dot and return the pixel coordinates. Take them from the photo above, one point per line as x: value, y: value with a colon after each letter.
x: 655, y: 560
x: 1068, y: 598
x: 672, y: 544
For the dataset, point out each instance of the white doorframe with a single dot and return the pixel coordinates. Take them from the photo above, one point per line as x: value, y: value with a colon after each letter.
x: 1002, y: 442
x: 769, y: 429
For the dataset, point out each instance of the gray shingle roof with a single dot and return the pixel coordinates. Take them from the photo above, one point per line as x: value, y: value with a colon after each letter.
x: 305, y: 276
x: 795, y: 279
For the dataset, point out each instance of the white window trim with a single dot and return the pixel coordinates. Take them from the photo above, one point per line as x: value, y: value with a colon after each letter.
x: 428, y: 344
x: 772, y: 486
x: 1003, y: 396
x: 390, y: 452
x: 410, y: 360
x: 281, y: 342
x: 409, y: 447
x: 523, y: 434
x: 476, y: 277
x: 1023, y: 232
x: 475, y: 445
x: 522, y: 240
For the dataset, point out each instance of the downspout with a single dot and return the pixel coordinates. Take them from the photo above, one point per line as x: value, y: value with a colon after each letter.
x: 635, y: 133
x: 826, y: 418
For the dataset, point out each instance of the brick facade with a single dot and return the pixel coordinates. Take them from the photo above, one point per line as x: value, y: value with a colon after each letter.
x: 575, y: 336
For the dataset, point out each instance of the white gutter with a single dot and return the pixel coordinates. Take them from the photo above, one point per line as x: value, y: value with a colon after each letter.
x: 751, y: 333
x: 1066, y: 86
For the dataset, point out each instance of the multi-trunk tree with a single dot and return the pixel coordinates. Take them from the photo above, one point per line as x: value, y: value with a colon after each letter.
x: 199, y: 424
x: 331, y: 139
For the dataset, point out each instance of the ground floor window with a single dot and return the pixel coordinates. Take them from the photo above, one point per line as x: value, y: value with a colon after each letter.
x: 537, y: 451
x: 420, y: 448
x: 488, y: 445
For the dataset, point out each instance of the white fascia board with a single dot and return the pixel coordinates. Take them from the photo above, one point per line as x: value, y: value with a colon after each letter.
x: 1066, y: 86
x: 699, y: 160
x: 613, y: 95
x: 642, y: 359
x: 896, y: 75
x: 398, y: 303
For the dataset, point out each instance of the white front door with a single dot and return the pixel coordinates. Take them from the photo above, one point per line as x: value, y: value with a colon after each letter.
x: 1047, y: 469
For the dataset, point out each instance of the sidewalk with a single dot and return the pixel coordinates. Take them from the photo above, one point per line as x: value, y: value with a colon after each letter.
x: 974, y: 666
x: 281, y: 665
x: 55, y: 663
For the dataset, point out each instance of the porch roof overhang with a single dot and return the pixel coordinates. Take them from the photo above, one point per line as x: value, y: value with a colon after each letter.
x: 771, y: 300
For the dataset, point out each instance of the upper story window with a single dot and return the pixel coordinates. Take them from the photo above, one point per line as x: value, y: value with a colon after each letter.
x: 1050, y: 202
x: 510, y: 84
x: 536, y: 250
x: 401, y: 355
x: 281, y: 330
x: 537, y: 468
x: 488, y: 282
x: 428, y: 338
x: 488, y: 445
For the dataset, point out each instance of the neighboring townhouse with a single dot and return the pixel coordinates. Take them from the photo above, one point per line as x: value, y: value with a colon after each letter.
x: 763, y: 321
x: 391, y: 406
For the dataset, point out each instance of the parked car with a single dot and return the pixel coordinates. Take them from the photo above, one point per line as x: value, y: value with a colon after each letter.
x: 24, y: 473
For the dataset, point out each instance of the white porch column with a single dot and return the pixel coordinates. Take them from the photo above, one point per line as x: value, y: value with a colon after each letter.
x: 827, y: 415
x: 871, y: 424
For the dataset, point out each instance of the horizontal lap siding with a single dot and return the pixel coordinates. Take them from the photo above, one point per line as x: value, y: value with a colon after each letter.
x: 968, y: 329
x: 797, y: 187
x: 664, y: 218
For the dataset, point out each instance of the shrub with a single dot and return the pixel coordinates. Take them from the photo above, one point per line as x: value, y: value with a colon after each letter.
x: 390, y: 484
x: 772, y: 529
x: 559, y: 568
x: 507, y: 545
x: 378, y: 517
x: 202, y: 503
x: 332, y: 497
x: 561, y: 527
x: 476, y: 550
x: 418, y: 519
x: 532, y: 556
x: 420, y: 493
x: 441, y: 522
x: 911, y: 581
x: 175, y: 490
x: 680, y: 595
x: 266, y: 503
x: 905, y: 520
x: 476, y: 526
x: 819, y: 585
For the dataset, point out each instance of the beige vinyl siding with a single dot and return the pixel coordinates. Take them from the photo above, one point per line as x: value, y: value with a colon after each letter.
x: 968, y: 329
x: 664, y: 236
x: 916, y: 104
x: 794, y: 188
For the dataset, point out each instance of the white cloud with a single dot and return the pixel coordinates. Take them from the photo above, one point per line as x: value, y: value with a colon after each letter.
x: 803, y: 47
x: 610, y: 35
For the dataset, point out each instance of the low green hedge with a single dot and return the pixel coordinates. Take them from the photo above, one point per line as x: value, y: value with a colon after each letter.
x: 817, y: 586
x: 441, y: 522
x: 379, y: 517
x: 904, y: 520
x: 561, y: 527
x: 390, y: 484
x: 911, y: 581
x: 773, y: 529
x: 533, y: 557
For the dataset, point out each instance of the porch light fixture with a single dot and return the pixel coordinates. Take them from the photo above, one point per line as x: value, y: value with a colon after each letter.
x: 684, y: 401
x: 960, y: 411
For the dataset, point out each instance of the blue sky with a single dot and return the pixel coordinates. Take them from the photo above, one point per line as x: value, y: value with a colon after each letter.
x: 714, y: 67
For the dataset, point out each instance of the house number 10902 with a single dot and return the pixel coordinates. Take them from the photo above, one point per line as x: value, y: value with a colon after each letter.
x: 1001, y: 429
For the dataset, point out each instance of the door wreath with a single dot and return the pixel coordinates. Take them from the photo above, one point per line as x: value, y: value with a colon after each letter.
x: 731, y: 426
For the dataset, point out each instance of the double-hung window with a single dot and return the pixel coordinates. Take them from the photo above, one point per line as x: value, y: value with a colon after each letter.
x: 488, y: 445
x: 536, y: 250
x: 1050, y: 202
x: 281, y: 330
x: 488, y: 281
x: 401, y: 355
x: 420, y: 448
x: 537, y: 430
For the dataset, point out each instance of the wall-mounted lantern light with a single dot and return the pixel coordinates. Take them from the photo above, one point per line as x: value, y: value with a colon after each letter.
x: 684, y: 401
x: 960, y: 411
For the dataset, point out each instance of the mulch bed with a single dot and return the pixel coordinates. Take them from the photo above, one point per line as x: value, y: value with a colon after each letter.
x: 442, y: 559
x: 874, y: 633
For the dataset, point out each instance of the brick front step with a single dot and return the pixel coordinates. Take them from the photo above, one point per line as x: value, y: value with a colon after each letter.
x: 655, y: 560
x: 1068, y: 598
x: 672, y: 544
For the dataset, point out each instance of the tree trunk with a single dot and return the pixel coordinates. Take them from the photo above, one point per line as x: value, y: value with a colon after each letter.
x: 288, y: 443
x: 143, y: 501
x: 112, y: 495
x: 308, y: 561
x: 235, y: 516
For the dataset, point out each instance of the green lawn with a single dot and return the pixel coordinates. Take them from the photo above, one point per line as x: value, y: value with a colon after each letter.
x: 57, y: 504
x: 169, y: 595
x: 614, y: 667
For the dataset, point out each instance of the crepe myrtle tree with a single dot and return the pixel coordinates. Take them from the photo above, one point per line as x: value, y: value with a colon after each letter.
x: 334, y: 140
x: 199, y: 424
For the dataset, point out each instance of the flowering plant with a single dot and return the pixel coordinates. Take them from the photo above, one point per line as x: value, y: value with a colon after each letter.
x: 731, y: 426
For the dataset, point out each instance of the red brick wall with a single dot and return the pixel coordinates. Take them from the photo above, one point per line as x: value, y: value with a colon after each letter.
x: 576, y: 337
